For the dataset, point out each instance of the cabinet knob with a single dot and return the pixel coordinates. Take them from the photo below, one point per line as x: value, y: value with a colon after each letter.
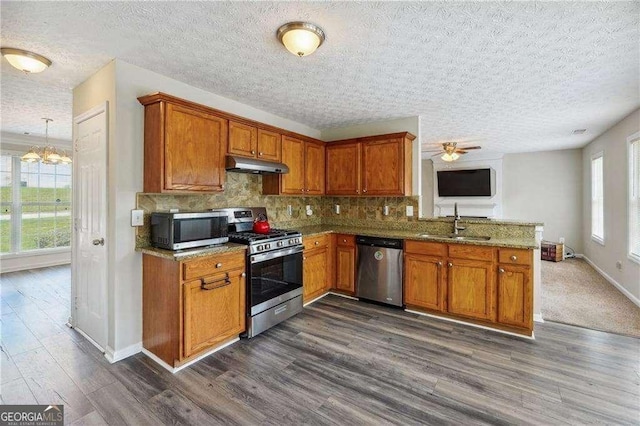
x: 222, y: 186
x: 344, y: 241
x: 364, y: 190
x: 501, y: 270
x: 253, y: 152
x: 357, y: 191
x: 439, y: 264
x: 317, y: 242
x: 218, y: 265
x: 302, y: 190
x: 260, y: 154
x: 514, y: 258
x: 450, y: 264
x: 304, y: 257
x: 244, y: 274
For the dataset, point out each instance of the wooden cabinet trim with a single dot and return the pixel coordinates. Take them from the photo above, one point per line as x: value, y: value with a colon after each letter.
x: 398, y: 135
x: 471, y: 252
x: 426, y: 248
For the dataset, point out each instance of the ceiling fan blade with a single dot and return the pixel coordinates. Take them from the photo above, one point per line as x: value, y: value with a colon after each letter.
x: 471, y: 147
x: 437, y: 154
x: 460, y: 151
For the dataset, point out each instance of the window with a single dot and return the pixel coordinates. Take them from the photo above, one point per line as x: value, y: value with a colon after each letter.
x: 597, y: 198
x: 634, y: 197
x: 35, y: 205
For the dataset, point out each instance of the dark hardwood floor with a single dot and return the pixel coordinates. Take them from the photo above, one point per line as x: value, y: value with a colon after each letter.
x: 339, y: 362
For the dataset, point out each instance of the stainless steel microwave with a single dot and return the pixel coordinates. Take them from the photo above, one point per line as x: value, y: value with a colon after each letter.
x: 177, y: 231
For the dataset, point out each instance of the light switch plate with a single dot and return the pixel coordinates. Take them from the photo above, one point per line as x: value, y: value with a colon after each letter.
x: 289, y: 210
x: 385, y: 210
x: 409, y: 210
x: 336, y: 209
x: 137, y: 217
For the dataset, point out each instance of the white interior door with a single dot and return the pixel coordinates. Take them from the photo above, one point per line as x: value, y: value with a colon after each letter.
x: 90, y: 224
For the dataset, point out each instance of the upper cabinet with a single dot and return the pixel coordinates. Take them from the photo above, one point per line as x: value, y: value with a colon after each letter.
x: 184, y: 146
x: 375, y: 165
x: 250, y: 141
x: 306, y: 169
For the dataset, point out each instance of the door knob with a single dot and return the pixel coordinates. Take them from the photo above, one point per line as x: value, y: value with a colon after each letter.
x: 98, y: 242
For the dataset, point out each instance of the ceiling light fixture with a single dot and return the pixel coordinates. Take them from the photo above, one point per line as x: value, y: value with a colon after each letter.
x: 448, y: 157
x: 301, y: 38
x: 48, y: 154
x: 24, y: 60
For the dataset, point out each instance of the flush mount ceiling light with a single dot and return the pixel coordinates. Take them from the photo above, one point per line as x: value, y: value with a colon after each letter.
x: 24, y: 60
x: 301, y: 38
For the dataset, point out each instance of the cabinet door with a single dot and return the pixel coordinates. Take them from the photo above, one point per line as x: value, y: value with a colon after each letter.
x: 269, y: 145
x: 470, y: 289
x: 514, y: 296
x: 314, y: 168
x: 314, y: 273
x: 195, y: 147
x: 346, y: 269
x: 293, y: 156
x: 214, y: 310
x: 423, y: 284
x: 383, y: 167
x: 343, y: 169
x: 243, y: 139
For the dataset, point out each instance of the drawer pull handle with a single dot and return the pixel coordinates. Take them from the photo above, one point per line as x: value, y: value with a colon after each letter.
x: 218, y: 265
x: 514, y: 258
x: 501, y: 270
x: 280, y: 310
x: 212, y: 285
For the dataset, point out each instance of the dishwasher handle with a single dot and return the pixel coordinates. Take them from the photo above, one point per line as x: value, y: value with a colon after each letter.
x: 379, y: 242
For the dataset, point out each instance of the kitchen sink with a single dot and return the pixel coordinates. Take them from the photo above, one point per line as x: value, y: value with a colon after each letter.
x: 456, y: 237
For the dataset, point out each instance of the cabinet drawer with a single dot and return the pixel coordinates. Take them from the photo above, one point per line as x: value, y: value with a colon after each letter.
x: 514, y: 256
x: 316, y: 241
x: 345, y: 240
x: 429, y: 249
x: 212, y: 265
x: 465, y: 251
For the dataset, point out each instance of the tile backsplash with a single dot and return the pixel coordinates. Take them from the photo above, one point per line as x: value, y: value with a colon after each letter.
x: 245, y: 190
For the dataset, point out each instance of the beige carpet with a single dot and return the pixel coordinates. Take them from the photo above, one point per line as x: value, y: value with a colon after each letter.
x: 574, y: 293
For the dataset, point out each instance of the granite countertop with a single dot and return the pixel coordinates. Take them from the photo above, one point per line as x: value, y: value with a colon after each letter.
x: 480, y: 220
x: 524, y: 243
x: 192, y: 253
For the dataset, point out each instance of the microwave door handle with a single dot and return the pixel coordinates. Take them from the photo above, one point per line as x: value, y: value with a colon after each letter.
x: 212, y: 285
x: 275, y: 254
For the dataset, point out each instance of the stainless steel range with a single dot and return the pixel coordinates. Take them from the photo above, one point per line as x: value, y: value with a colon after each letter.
x: 274, y: 270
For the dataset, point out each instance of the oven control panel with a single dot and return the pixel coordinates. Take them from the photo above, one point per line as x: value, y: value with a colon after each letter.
x: 274, y: 244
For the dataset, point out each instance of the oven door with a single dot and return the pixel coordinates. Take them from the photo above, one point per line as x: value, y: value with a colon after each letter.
x: 275, y: 277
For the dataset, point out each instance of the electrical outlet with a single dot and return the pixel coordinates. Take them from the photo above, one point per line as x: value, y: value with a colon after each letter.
x: 289, y: 210
x: 619, y: 265
x: 385, y: 210
x: 336, y: 209
x: 137, y: 217
x: 561, y: 240
x: 409, y: 210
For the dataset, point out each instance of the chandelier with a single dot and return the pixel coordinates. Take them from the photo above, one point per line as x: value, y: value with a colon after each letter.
x: 48, y: 154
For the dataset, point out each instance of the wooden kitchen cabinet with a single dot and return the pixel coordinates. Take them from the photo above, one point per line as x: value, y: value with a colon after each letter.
x: 191, y: 306
x: 424, y: 282
x: 317, y: 272
x: 514, y: 295
x: 250, y: 141
x: 184, y: 146
x: 470, y: 289
x: 375, y: 165
x: 305, y: 160
x: 345, y: 281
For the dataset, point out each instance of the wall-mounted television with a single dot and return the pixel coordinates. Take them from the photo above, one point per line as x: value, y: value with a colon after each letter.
x: 466, y: 183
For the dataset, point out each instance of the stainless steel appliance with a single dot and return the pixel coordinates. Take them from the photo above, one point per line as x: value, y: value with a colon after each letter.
x: 379, y: 270
x: 274, y: 270
x: 177, y: 231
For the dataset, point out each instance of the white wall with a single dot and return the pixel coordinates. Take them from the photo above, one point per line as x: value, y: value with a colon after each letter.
x: 427, y: 186
x: 121, y: 84
x: 409, y: 124
x: 546, y: 187
x: 616, y: 232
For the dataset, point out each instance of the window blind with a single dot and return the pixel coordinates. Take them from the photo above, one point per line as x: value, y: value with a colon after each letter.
x: 597, y: 198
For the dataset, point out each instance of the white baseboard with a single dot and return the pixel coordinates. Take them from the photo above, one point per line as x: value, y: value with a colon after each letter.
x: 115, y: 356
x: 606, y: 276
x: 26, y: 263
x: 538, y: 318
x: 174, y: 370
x: 532, y: 337
x: 83, y: 334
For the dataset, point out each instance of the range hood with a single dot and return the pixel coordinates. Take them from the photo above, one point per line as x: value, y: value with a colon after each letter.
x: 253, y: 165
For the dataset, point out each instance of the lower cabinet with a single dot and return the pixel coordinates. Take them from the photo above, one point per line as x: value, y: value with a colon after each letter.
x: 191, y: 306
x: 346, y: 264
x: 317, y: 271
x: 490, y: 285
x: 213, y: 310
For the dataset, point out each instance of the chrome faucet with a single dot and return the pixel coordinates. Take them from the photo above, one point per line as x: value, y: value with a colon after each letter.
x: 456, y: 218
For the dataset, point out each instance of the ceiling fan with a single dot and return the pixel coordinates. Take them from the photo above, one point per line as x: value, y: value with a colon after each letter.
x: 450, y: 151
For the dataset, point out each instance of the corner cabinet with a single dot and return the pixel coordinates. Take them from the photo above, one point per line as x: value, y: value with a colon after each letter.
x: 306, y: 163
x: 192, y: 306
x: 481, y: 284
x: 184, y: 146
x: 376, y: 165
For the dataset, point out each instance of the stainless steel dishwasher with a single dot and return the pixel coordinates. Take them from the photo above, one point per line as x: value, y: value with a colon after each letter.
x: 379, y: 270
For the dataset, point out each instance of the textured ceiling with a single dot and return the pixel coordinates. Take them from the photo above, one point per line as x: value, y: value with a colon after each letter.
x: 520, y: 76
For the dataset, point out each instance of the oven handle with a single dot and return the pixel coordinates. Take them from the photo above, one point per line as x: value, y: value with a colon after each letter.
x: 275, y: 254
x: 204, y: 285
